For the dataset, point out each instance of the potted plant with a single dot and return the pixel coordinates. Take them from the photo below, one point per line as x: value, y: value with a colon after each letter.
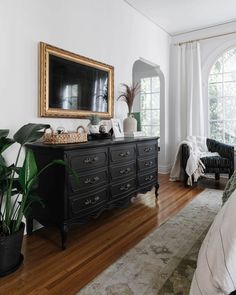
x: 94, y: 124
x: 128, y: 95
x: 17, y: 193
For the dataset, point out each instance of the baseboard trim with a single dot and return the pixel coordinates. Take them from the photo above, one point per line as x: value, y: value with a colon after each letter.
x: 164, y: 169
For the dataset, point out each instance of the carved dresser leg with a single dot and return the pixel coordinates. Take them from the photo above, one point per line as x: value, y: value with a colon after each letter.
x: 156, y: 190
x: 64, y: 230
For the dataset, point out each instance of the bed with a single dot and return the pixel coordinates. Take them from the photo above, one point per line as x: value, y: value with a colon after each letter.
x: 216, y: 266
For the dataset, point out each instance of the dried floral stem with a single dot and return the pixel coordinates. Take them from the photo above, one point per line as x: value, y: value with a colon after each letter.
x: 129, y: 94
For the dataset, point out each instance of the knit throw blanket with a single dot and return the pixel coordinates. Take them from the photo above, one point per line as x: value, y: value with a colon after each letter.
x: 194, y: 168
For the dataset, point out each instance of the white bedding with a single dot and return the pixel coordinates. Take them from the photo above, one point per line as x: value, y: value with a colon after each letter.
x: 216, y: 266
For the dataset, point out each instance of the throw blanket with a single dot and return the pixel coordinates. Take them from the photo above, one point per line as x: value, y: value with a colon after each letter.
x: 194, y: 168
x: 216, y: 266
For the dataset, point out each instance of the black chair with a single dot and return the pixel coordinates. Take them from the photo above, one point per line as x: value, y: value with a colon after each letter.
x: 216, y: 164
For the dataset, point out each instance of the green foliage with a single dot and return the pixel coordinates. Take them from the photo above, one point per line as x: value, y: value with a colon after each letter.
x: 94, y: 119
x: 17, y: 184
x: 30, y: 133
x: 4, y: 133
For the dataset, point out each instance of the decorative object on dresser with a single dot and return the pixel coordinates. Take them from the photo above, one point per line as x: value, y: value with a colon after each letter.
x: 103, y: 129
x: 111, y: 173
x: 94, y: 124
x: 72, y: 85
x: 102, y: 134
x: 62, y: 137
x: 117, y: 128
x: 135, y: 134
x: 128, y: 95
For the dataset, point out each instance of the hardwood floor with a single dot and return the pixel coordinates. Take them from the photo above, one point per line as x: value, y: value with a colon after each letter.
x: 93, y: 247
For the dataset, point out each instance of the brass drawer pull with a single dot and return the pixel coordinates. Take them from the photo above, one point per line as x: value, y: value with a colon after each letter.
x: 95, y: 200
x: 148, y: 164
x: 148, y: 149
x: 92, y: 202
x: 148, y: 178
x: 125, y: 187
x: 125, y: 171
x: 87, y: 202
x: 90, y: 161
x: 91, y: 180
x: 126, y: 154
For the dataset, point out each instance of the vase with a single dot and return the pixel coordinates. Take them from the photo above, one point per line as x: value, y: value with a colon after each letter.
x: 10, y: 251
x: 130, y: 124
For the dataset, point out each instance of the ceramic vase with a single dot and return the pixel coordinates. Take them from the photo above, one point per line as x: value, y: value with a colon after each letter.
x: 10, y: 251
x: 130, y: 124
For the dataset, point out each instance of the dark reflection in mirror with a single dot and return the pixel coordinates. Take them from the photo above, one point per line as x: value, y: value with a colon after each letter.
x: 75, y: 86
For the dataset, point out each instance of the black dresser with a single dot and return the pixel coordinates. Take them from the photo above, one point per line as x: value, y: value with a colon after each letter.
x: 111, y: 172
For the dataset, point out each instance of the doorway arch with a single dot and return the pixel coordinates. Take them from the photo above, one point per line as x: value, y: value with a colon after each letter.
x: 143, y: 68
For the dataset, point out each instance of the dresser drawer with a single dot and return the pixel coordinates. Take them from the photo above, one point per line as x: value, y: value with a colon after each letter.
x: 147, y: 163
x: 145, y: 179
x: 123, y: 153
x: 122, y: 171
x: 90, y: 159
x: 146, y: 149
x: 123, y: 187
x: 88, y: 202
x: 87, y: 181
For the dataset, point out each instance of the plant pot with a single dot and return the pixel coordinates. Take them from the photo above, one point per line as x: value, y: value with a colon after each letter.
x: 94, y: 129
x: 130, y: 124
x: 10, y: 252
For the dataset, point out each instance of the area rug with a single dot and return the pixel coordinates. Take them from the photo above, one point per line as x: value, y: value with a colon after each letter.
x: 164, y: 262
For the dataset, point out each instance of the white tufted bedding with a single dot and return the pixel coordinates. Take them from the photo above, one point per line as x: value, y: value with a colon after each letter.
x: 216, y: 266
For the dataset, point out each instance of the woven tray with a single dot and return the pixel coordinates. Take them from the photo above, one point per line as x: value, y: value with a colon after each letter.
x: 65, y: 137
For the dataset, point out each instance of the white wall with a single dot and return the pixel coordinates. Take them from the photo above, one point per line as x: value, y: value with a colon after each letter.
x: 141, y: 69
x: 211, y: 49
x: 104, y: 30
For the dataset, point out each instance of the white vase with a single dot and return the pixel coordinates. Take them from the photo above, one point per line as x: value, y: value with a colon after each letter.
x: 130, y: 124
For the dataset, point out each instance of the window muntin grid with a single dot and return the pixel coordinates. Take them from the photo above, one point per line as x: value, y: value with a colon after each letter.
x: 222, y: 98
x: 150, y: 105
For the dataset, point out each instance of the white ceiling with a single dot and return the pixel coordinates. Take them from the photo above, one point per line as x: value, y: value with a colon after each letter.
x: 179, y: 16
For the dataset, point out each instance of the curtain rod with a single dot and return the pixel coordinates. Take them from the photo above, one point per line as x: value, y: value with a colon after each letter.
x: 205, y: 38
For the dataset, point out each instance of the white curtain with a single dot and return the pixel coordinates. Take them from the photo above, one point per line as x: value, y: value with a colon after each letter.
x: 188, y: 116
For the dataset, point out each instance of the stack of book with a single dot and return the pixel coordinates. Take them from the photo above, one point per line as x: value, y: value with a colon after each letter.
x: 135, y: 134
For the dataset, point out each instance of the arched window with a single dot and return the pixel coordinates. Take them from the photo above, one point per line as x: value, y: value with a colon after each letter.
x: 150, y: 105
x: 222, y: 98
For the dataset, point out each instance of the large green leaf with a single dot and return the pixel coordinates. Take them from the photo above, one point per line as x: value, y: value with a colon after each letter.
x: 28, y: 171
x: 2, y: 161
x: 4, y: 132
x: 3, y: 172
x: 29, y: 133
x: 5, y: 143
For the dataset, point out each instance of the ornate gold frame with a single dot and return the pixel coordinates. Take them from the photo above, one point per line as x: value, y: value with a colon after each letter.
x: 44, y: 110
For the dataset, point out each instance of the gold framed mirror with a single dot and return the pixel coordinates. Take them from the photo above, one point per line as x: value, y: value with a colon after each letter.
x: 74, y: 86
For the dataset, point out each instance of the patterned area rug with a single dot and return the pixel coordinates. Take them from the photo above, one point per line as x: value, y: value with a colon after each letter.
x: 180, y: 280
x: 164, y: 262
